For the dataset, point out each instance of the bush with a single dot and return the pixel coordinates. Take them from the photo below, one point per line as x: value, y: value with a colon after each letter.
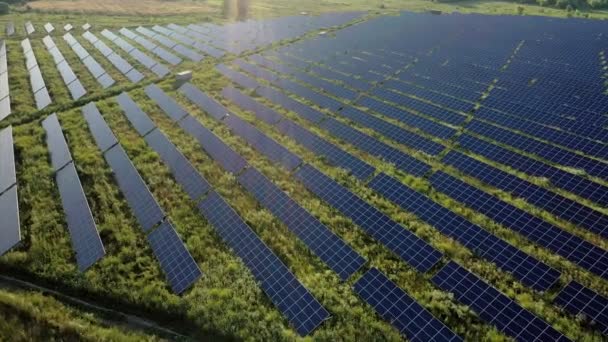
x: 4, y: 9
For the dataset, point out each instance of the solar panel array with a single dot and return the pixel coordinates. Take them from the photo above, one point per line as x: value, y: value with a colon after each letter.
x: 69, y: 78
x: 5, y: 99
x: 117, y: 61
x: 10, y: 230
x: 29, y: 28
x: 171, y: 44
x: 41, y: 94
x: 89, y: 62
x: 579, y: 300
x: 83, y: 230
x: 148, y: 45
x: 157, y: 68
x: 303, y: 311
x: 175, y: 260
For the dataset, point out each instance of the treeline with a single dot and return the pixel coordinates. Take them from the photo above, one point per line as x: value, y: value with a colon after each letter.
x: 563, y: 4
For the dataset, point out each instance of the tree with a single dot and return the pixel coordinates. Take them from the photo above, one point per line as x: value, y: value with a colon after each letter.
x: 243, y: 9
x: 4, y: 9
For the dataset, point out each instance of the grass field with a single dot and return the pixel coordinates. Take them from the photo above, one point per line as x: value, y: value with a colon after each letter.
x: 226, y: 304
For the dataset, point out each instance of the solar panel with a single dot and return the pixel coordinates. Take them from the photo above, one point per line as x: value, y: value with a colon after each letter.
x: 493, y: 306
x: 70, y: 39
x: 80, y: 51
x: 103, y: 48
x: 10, y: 231
x: 160, y: 70
x: 302, y: 310
x: 134, y: 76
x: 481, y: 242
x: 76, y: 89
x: 26, y: 45
x: 401, y: 310
x: 140, y: 121
x: 83, y: 231
x: 175, y: 260
x: 147, y: 211
x: 66, y: 72
x: 166, y: 103
x: 237, y: 77
x: 30, y: 60
x: 5, y: 107
x: 102, y: 134
x: 579, y: 300
x: 86, y: 26
x: 94, y: 68
x: 165, y: 55
x: 68, y: 27
x: 42, y: 98
x: 7, y: 159
x: 10, y: 29
x: 48, y: 42
x: 203, y: 101
x: 402, y: 242
x: 341, y: 258
x: 106, y: 81
x: 262, y: 143
x: 228, y: 159
x: 185, y: 174
x: 262, y: 112
x: 36, y: 79
x: 188, y: 53
x: 304, y: 111
x: 60, y: 154
x: 56, y: 54
x: 120, y: 63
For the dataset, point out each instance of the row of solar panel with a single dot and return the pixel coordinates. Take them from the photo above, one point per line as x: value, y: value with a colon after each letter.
x: 157, y: 68
x: 339, y: 197
x: 29, y: 28
x: 170, y: 44
x: 189, y: 40
x: 5, y: 99
x: 41, y: 94
x: 10, y: 230
x: 303, y: 311
x: 148, y: 45
x: 69, y: 78
x: 98, y: 72
x: 119, y: 63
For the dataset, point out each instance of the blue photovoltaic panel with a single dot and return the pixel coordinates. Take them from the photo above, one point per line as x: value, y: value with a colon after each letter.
x: 203, y: 101
x: 165, y: 102
x: 76, y: 89
x: 140, y: 120
x: 481, y: 242
x: 287, y: 102
x: 147, y: 211
x: 302, y: 310
x: 220, y: 152
x: 185, y: 174
x: 579, y: 300
x: 325, y: 149
x: 237, y: 77
x: 60, y: 154
x: 401, y: 310
x: 7, y: 159
x: 42, y: 98
x: 95, y: 68
x: 99, y: 128
x: 493, y: 306
x: 561, y: 242
x: 188, y: 53
x: 83, y: 231
x: 262, y: 143
x: 10, y: 230
x: 402, y: 242
x: 134, y: 76
x: 262, y: 112
x: 175, y: 260
x: 323, y: 242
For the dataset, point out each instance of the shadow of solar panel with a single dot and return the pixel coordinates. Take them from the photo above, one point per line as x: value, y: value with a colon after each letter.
x: 5, y: 107
x: 220, y: 152
x: 262, y: 143
x: 406, y: 245
x: 188, y: 53
x: 7, y: 159
x: 140, y: 121
x: 524, y: 267
x: 99, y: 128
x: 60, y: 154
x: 10, y: 231
x: 144, y: 206
x: 375, y: 147
x: 83, y: 231
x: 76, y: 89
x: 302, y: 310
x: 579, y: 300
x: 185, y: 174
x: 304, y: 111
x: 203, y: 101
x: 237, y: 77
x: 175, y: 260
x: 134, y: 76
x: 493, y: 306
x: 341, y: 258
x: 402, y: 311
x: 42, y: 98
x: 166, y: 103
x: 262, y: 112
